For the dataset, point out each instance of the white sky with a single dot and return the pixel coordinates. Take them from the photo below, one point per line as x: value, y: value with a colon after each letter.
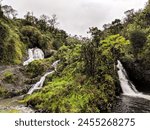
x: 76, y: 16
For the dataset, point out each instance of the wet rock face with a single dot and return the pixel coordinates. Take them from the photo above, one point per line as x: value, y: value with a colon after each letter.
x: 12, y: 81
x: 138, y: 75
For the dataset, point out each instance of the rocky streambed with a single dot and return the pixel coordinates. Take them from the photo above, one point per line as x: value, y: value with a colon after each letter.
x: 12, y: 105
x: 12, y: 86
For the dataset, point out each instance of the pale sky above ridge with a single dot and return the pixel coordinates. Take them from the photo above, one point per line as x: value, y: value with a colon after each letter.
x: 76, y: 16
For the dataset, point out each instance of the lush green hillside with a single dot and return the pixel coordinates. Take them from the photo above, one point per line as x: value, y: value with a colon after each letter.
x: 73, y: 88
x: 86, y: 78
x: 11, y: 46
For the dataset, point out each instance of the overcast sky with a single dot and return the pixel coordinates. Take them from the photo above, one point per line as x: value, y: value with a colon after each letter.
x: 76, y: 16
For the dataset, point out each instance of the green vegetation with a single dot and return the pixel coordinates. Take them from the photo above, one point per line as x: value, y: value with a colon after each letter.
x: 11, y: 47
x: 72, y: 88
x: 37, y: 67
x: 138, y: 40
x: 86, y: 77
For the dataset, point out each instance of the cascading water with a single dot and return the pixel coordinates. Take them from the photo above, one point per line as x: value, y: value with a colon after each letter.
x: 37, y: 54
x: 55, y: 64
x: 40, y: 83
x: 34, y: 54
x: 127, y: 87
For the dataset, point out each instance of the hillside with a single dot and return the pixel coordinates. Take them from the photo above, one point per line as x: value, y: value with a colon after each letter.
x: 85, y: 79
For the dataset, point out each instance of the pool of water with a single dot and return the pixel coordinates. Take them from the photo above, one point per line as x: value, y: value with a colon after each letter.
x: 128, y: 104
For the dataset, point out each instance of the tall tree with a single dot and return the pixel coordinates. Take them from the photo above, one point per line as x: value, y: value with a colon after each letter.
x: 138, y: 39
x: 129, y: 16
x: 9, y: 11
x: 43, y: 22
x: 96, y: 35
x: 53, y: 21
x: 30, y: 18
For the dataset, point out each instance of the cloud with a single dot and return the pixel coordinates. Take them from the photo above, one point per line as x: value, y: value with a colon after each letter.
x: 76, y: 16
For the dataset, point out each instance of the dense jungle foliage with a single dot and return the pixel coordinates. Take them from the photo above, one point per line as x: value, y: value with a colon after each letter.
x: 86, y: 78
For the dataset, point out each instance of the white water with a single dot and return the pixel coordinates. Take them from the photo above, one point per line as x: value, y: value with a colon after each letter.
x: 55, y: 64
x: 127, y: 87
x: 40, y: 83
x: 34, y: 54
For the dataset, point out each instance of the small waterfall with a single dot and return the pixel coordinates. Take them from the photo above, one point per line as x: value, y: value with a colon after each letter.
x: 127, y: 86
x: 34, y: 54
x: 40, y: 83
x: 55, y: 64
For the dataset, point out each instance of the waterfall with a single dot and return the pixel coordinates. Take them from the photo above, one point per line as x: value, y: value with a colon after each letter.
x: 127, y: 86
x: 34, y: 54
x: 55, y: 64
x: 40, y: 83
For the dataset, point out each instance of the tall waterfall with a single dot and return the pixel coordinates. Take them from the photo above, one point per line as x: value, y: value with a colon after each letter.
x: 40, y: 83
x: 34, y: 54
x: 127, y: 87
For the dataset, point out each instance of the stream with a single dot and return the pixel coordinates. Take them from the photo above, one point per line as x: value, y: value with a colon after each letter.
x: 12, y: 104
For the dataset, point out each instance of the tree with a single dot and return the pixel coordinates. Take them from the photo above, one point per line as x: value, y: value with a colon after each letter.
x: 129, y: 16
x: 114, y: 28
x: 89, y: 53
x: 30, y: 18
x: 106, y: 26
x: 9, y: 11
x: 53, y: 21
x: 146, y: 14
x: 138, y: 40
x: 14, y: 13
x: 43, y: 22
x: 96, y: 35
